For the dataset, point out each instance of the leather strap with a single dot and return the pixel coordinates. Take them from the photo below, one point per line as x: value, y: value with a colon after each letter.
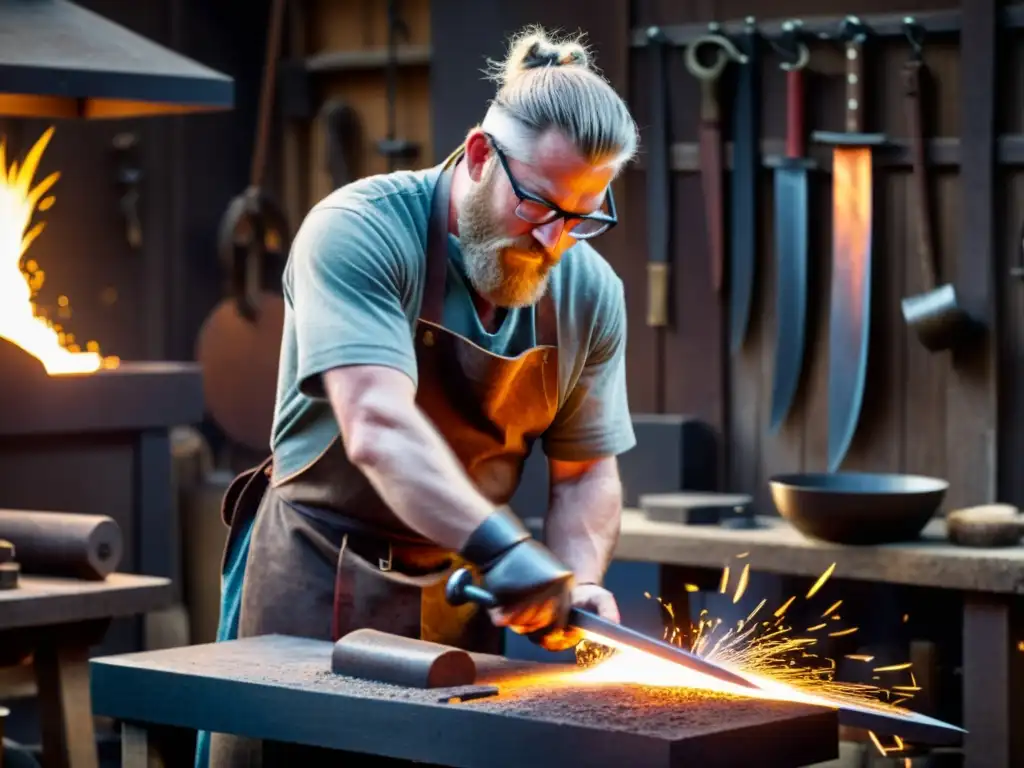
x: 437, y: 248
x: 923, y: 242
x: 711, y: 183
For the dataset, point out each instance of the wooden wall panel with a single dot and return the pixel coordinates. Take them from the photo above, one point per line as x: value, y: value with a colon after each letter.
x: 333, y: 27
x: 903, y: 425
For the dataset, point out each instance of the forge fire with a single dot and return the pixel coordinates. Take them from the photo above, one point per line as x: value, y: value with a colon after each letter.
x: 21, y: 320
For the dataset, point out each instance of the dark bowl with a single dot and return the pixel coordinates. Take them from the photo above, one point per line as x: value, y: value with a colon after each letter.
x: 858, y: 507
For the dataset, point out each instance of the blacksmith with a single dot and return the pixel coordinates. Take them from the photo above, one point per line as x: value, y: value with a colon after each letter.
x: 439, y: 322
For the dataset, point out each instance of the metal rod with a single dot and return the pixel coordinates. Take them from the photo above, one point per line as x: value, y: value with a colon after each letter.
x: 935, y: 23
x: 943, y: 153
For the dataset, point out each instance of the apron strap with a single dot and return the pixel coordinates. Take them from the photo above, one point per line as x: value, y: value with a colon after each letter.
x: 547, y: 321
x: 437, y: 250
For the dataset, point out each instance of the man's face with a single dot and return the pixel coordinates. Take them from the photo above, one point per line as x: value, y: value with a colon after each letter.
x: 508, y: 259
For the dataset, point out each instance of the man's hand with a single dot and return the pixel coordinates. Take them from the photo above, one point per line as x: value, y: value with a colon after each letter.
x: 589, y: 597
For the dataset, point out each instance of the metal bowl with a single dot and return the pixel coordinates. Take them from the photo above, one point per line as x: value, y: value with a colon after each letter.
x: 858, y: 507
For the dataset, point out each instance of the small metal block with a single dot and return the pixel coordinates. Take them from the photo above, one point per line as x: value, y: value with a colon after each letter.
x: 372, y: 655
x: 9, y: 575
x: 6, y: 551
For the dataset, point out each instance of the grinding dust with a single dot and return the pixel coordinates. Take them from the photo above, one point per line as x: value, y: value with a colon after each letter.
x: 668, y: 713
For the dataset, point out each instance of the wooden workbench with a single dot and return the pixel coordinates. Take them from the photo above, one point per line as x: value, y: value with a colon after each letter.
x: 989, y: 582
x: 53, y: 623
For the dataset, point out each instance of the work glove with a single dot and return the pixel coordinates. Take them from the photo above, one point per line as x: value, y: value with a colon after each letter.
x: 589, y: 597
x: 531, y: 586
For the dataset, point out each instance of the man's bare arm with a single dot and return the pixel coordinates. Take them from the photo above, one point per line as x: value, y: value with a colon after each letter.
x: 582, y: 524
x: 403, y: 456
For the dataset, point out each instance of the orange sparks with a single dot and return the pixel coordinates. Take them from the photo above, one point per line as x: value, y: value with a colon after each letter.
x: 741, y: 555
x: 877, y: 743
x: 742, y: 586
x: 691, y: 588
x: 763, y: 647
x: 784, y: 607
x: 831, y: 609
x: 899, y: 746
x: 820, y: 582
x: 843, y: 632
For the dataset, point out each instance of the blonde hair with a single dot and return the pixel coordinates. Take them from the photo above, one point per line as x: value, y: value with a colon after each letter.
x: 547, y: 82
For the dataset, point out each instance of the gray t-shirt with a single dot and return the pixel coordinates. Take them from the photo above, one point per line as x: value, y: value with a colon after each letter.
x: 353, y: 286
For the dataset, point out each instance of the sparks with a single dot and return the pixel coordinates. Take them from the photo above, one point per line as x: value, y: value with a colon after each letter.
x: 843, y: 632
x: 725, y: 580
x: 831, y: 609
x: 784, y: 607
x: 782, y: 662
x: 820, y: 582
x: 742, y: 586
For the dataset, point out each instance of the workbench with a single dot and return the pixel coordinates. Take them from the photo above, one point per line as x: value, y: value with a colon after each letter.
x: 281, y: 689
x: 51, y: 623
x: 988, y: 581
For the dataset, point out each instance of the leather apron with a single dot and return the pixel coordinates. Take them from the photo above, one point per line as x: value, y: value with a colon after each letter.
x: 328, y: 556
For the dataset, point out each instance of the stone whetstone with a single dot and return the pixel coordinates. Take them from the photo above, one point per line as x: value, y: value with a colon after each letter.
x: 63, y: 544
x: 282, y: 689
x: 387, y: 658
x: 987, y: 526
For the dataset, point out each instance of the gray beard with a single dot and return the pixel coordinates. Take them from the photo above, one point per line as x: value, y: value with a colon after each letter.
x: 483, y: 253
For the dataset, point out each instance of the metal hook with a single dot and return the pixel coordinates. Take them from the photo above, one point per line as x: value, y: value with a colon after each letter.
x: 725, y: 53
x: 914, y: 33
x: 794, y: 54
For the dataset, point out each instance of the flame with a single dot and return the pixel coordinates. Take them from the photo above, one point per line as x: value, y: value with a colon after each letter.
x: 19, y: 321
x: 764, y: 650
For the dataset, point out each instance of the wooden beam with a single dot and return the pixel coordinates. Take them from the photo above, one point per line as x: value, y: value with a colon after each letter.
x: 377, y: 58
x: 972, y: 406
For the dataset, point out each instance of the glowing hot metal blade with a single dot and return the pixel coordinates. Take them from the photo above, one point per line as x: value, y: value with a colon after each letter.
x: 460, y: 589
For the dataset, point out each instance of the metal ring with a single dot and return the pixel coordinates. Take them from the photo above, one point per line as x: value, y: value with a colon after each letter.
x: 726, y: 52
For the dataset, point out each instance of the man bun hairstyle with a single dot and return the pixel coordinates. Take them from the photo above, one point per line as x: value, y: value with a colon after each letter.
x: 547, y: 82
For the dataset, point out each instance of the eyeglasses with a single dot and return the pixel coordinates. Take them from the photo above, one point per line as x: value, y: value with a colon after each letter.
x: 536, y: 210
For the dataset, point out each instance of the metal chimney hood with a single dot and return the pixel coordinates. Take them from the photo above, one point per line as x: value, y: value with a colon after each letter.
x: 59, y: 60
